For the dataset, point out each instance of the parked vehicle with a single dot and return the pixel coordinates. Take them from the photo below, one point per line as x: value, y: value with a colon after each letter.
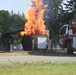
x: 67, y: 37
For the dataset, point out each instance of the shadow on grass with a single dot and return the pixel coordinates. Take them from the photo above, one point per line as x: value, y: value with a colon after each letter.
x: 52, y: 53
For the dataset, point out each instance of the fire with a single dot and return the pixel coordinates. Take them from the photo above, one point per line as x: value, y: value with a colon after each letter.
x: 34, y: 15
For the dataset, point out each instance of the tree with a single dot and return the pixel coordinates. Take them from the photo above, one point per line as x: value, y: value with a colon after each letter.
x: 52, y: 13
x: 52, y: 16
x: 4, y: 21
x: 17, y: 22
x: 71, y: 8
x: 10, y: 22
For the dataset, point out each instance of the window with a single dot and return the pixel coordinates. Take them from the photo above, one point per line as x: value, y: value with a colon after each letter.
x: 62, y: 30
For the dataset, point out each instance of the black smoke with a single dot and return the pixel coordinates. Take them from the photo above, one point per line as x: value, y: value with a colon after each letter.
x: 52, y: 12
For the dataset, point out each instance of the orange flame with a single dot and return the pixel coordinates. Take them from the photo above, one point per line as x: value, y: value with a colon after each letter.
x: 35, y: 23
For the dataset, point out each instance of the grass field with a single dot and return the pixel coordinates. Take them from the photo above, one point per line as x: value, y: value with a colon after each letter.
x: 38, y: 69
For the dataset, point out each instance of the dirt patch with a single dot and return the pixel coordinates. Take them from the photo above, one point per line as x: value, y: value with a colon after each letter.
x: 37, y: 57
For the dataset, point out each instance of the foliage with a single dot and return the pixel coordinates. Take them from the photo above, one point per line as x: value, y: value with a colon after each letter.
x: 4, y: 21
x: 56, y: 16
x: 71, y: 7
x: 52, y: 13
x: 10, y: 22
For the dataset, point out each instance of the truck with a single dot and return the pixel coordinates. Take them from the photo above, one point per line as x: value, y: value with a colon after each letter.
x: 67, y: 37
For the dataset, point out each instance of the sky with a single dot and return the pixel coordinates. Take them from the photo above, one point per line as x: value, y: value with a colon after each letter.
x: 15, y: 5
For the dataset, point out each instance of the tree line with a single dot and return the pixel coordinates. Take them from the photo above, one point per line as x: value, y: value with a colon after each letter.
x: 59, y: 13
x: 55, y: 17
x: 11, y: 22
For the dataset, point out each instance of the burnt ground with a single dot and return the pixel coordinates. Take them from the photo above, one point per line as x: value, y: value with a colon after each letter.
x: 38, y: 57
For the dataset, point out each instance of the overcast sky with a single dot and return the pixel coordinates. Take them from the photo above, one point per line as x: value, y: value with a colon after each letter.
x: 15, y: 5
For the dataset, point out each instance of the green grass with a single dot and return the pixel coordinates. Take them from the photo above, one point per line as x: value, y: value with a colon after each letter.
x: 38, y: 69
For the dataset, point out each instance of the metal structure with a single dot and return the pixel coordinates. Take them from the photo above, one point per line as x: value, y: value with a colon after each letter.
x: 35, y: 42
